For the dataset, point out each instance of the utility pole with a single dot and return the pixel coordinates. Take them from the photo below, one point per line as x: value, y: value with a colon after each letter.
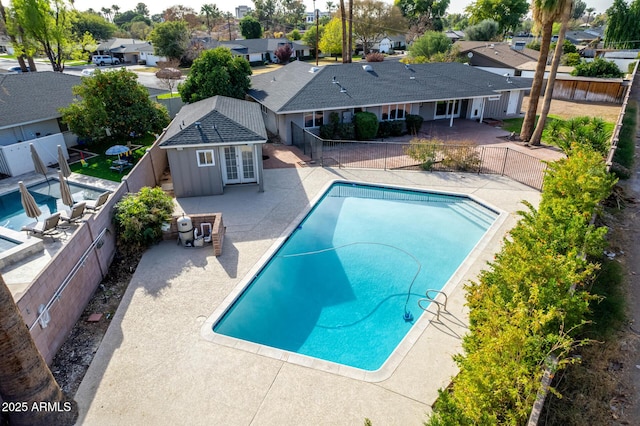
x: 315, y: 15
x: 229, y: 24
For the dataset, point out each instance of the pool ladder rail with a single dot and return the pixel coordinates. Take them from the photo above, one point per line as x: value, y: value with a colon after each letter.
x: 429, y: 299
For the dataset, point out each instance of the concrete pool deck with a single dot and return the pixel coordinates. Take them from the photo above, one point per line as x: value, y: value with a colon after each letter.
x: 154, y: 366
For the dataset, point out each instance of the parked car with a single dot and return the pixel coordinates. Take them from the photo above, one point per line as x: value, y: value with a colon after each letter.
x: 88, y: 72
x: 102, y: 60
x: 18, y: 69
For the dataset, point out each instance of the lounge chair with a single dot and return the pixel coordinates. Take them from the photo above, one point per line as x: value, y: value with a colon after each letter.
x: 96, y: 204
x: 77, y: 211
x: 47, y: 227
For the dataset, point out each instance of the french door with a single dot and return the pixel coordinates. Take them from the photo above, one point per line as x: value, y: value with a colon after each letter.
x: 238, y: 164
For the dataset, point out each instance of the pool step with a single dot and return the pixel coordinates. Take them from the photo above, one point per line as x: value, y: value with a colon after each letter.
x: 475, y: 213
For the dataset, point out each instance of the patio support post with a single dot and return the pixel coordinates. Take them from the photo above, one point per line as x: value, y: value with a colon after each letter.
x: 258, y: 154
x: 386, y: 153
x: 484, y: 100
x: 453, y: 110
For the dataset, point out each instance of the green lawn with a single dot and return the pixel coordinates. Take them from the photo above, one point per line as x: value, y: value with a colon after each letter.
x: 169, y: 95
x: 99, y: 166
x: 515, y: 125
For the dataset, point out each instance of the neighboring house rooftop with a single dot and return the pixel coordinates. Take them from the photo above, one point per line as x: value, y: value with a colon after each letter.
x: 581, y: 37
x: 119, y: 43
x: 216, y: 120
x: 255, y: 45
x: 22, y: 100
x: 506, y: 54
x: 300, y: 87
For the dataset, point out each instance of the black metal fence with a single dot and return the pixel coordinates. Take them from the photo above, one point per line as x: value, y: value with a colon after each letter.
x: 479, y: 159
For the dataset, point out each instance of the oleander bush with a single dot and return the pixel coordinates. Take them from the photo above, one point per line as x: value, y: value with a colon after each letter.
x: 366, y: 125
x: 533, y: 300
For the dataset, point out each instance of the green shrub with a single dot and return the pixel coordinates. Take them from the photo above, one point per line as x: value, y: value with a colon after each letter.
x: 327, y: 131
x: 334, y: 118
x: 346, y: 131
x: 396, y: 127
x: 139, y: 217
x: 463, y: 157
x: 571, y: 59
x: 414, y: 123
x: 366, y: 125
x: 535, y: 45
x: 424, y: 151
x: 631, y: 67
x: 597, y: 68
x: 384, y: 129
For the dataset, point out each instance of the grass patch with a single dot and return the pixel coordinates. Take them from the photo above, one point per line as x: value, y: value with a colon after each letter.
x: 99, y: 166
x: 626, y: 143
x: 515, y: 125
x: 77, y: 63
x: 169, y: 95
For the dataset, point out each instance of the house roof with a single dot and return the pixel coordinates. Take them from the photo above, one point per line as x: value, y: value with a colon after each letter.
x: 293, y: 88
x: 216, y: 120
x: 22, y: 100
x: 580, y: 37
x: 114, y: 43
x: 506, y: 55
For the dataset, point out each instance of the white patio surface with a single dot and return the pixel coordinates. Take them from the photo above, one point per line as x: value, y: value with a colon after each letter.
x: 155, y: 367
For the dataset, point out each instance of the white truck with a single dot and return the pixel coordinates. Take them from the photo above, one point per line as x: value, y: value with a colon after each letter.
x: 101, y: 60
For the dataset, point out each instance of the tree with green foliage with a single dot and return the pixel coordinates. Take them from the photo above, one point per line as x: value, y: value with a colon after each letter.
x: 309, y: 38
x: 142, y: 9
x: 366, y: 125
x: 331, y: 41
x: 211, y: 14
x: 113, y: 104
x: 250, y: 27
x: 456, y: 21
x: 507, y: 13
x: 427, y: 14
x: 216, y: 72
x: 429, y: 44
x: 292, y: 14
x: 294, y: 35
x: 486, y: 30
x: 94, y: 24
x: 373, y: 19
x: 139, y: 217
x: 578, y: 9
x: 599, y: 67
x: 48, y: 24
x: 265, y: 12
x: 170, y: 39
x: 623, y: 31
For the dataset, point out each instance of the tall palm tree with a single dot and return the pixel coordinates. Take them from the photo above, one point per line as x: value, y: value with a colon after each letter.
x: 343, y: 17
x: 211, y: 13
x: 25, y: 377
x: 567, y: 6
x: 115, y: 9
x: 545, y: 13
x: 330, y: 6
x: 107, y: 13
x: 589, y: 11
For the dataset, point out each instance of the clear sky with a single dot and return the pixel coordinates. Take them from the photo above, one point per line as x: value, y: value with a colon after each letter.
x: 157, y: 6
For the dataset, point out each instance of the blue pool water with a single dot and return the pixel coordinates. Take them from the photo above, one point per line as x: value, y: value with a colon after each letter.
x: 47, y: 196
x: 339, y: 286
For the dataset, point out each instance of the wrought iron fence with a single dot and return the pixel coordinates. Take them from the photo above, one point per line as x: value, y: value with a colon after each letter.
x: 479, y: 159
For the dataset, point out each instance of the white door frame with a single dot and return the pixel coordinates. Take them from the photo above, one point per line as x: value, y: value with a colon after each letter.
x: 512, y: 106
x: 236, y: 161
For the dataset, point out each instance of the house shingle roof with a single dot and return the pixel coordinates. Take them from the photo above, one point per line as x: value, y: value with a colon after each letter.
x: 293, y: 88
x: 34, y: 96
x: 222, y: 120
x: 511, y: 58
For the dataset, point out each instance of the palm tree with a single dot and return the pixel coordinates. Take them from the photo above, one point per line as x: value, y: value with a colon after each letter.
x: 211, y: 13
x: 567, y: 6
x: 115, y: 9
x: 343, y: 17
x: 330, y: 6
x: 589, y: 11
x: 25, y: 377
x: 545, y: 13
x: 106, y: 12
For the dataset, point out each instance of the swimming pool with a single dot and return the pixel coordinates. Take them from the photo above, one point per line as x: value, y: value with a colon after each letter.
x: 47, y: 197
x: 340, y: 285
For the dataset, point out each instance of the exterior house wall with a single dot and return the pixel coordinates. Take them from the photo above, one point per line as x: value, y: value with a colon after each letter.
x: 500, y: 71
x: 15, y: 159
x: 152, y: 60
x: 29, y: 131
x: 270, y: 121
x: 427, y: 111
x: 284, y: 127
x: 189, y: 180
x: 498, y: 109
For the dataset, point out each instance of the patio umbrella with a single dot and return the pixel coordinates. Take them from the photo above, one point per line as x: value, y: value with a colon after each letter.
x: 28, y: 202
x: 38, y: 164
x: 65, y: 191
x: 117, y: 150
x: 62, y: 163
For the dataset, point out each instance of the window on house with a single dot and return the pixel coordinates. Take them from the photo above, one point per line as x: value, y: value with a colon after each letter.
x: 441, y: 108
x: 313, y: 119
x: 395, y: 112
x: 205, y: 158
x: 263, y: 108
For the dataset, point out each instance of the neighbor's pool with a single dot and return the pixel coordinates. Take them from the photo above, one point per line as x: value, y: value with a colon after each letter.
x: 47, y: 196
x: 339, y: 286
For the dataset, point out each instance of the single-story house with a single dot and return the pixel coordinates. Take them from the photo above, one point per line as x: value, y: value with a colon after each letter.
x: 454, y: 35
x: 6, y: 48
x: 215, y: 142
x: 499, y: 58
x: 390, y: 43
x: 259, y: 50
x: 129, y: 51
x: 26, y: 116
x: 304, y: 95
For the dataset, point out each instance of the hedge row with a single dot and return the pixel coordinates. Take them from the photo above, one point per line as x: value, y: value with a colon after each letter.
x: 531, y: 301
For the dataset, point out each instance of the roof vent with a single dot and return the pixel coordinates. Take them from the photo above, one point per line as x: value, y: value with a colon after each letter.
x: 314, y: 70
x: 197, y: 124
x: 492, y: 45
x: 367, y: 68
